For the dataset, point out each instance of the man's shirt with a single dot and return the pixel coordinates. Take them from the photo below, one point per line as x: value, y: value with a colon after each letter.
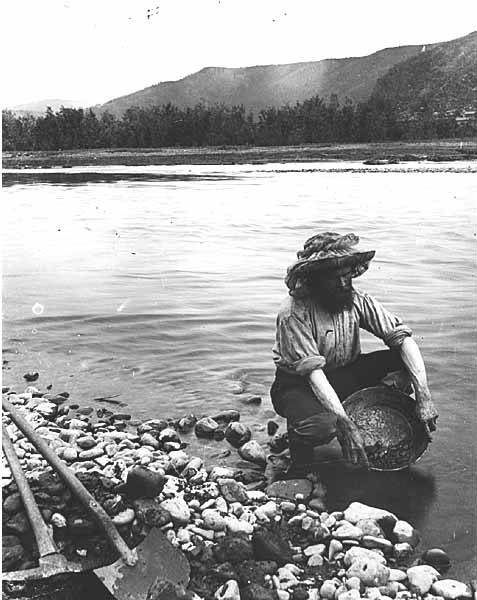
x: 308, y: 337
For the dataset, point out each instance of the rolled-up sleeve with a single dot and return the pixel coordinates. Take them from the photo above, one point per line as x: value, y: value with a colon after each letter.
x: 380, y: 322
x: 296, y: 347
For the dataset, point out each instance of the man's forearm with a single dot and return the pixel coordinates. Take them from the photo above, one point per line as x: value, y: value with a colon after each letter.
x: 325, y: 394
x: 412, y: 358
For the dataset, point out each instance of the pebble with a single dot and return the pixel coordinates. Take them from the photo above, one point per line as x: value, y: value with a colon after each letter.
x: 334, y: 548
x: 233, y: 491
x: 124, y: 518
x: 403, y: 532
x: 450, y: 589
x: 178, y: 509
x: 205, y: 427
x: 437, y: 558
x: 58, y: 520
x: 253, y: 452
x: 315, y: 549
x: 90, y: 454
x: 228, y: 591
x: 237, y: 434
x: 70, y: 454
x: 403, y: 550
x: 421, y: 578
x: 357, y: 511
x: 347, y: 531
x: 370, y: 571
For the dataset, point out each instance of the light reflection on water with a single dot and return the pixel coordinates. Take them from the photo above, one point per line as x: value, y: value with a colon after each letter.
x: 165, y: 291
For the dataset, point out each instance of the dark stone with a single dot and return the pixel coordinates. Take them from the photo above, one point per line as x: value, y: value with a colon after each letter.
x: 387, y: 525
x: 5, y: 389
x: 247, y: 476
x: 186, y: 423
x: 18, y: 524
x: 58, y: 399
x: 205, y: 427
x: 252, y: 400
x: 11, y: 556
x: 10, y: 540
x: 233, y: 491
x: 255, y: 591
x: 271, y: 545
x: 74, y: 406
x: 165, y: 590
x: 46, y: 513
x: 149, y: 512
x: 300, y: 593
x: 64, y: 394
x: 85, y: 410
x: 142, y: 482
x: 121, y: 417
x: 221, y: 573
x: 279, y: 442
x: 30, y: 377
x: 288, y: 488
x: 219, y: 434
x: 272, y: 427
x: 227, y: 416
x: 233, y: 549
x: 155, y: 424
x: 252, y: 571
x: 237, y: 434
x: 437, y: 558
x: 13, y: 503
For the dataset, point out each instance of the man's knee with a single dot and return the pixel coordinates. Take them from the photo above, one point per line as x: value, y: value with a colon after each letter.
x: 314, y: 430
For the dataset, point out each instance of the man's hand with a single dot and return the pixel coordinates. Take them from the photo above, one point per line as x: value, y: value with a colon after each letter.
x: 351, y: 442
x: 425, y: 409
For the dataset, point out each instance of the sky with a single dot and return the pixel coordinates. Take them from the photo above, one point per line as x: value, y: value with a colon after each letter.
x: 90, y: 51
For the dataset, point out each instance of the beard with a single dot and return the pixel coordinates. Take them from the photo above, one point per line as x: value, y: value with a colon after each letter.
x: 333, y: 301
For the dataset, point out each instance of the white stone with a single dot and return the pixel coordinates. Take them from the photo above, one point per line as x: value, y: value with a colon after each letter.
x: 450, y: 589
x: 221, y: 473
x: 91, y: 453
x: 328, y: 589
x: 213, y: 520
x: 349, y: 595
x: 357, y: 511
x: 315, y: 560
x: 228, y: 591
x: 370, y: 572
x: 253, y: 452
x: 78, y: 424
x: 421, y: 578
x: 70, y: 454
x: 179, y: 459
x: 347, y: 531
x: 283, y: 595
x: 404, y: 532
x: 58, y: 520
x: 315, y: 549
x: 178, y: 509
x: 124, y: 517
x: 357, y: 553
x: 237, y: 526
x: 397, y: 575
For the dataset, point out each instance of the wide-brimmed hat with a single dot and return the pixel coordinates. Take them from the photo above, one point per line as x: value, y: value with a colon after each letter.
x: 324, y: 252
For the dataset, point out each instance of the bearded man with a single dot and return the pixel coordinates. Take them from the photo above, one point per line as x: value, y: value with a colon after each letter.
x: 318, y: 356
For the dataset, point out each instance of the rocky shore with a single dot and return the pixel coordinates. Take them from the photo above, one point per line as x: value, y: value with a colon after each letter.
x: 249, y: 534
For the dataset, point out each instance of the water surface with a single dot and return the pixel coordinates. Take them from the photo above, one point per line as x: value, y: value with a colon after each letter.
x: 161, y: 284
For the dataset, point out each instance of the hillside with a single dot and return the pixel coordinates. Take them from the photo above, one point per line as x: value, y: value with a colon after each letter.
x: 271, y: 85
x: 442, y: 78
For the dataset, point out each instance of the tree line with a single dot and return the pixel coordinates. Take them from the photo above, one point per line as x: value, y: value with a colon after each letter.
x: 315, y: 120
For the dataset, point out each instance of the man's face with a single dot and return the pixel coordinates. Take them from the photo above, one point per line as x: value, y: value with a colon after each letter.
x: 333, y: 289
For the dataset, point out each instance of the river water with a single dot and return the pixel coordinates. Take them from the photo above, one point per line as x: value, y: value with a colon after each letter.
x: 161, y: 284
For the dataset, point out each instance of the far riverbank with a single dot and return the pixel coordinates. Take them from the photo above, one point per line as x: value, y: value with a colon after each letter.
x: 437, y: 150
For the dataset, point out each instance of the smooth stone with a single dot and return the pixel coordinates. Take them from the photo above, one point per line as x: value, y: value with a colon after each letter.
x: 450, y: 589
x: 397, y: 575
x: 78, y: 424
x: 349, y: 595
x: 205, y: 427
x: 48, y: 410
x: 237, y: 434
x: 370, y: 527
x: 169, y: 435
x: 315, y: 549
x: 91, y: 453
x: 124, y: 518
x: 178, y: 509
x: 317, y: 504
x: 353, y: 583
x: 151, y: 513
x: 272, y: 428
x: 370, y: 541
x: 404, y: 532
x: 437, y: 558
x: 31, y: 376
x: 86, y: 443
x: 152, y: 425
x: 315, y: 560
x: 421, y: 578
x: 328, y: 589
x: 233, y: 491
x: 289, y: 488
x: 228, y: 591
x: 253, y: 452
x: 186, y: 423
x: 256, y: 400
x: 227, y: 416
x: 179, y: 459
x: 144, y: 482
x: 238, y: 526
x: 356, y: 553
x: 370, y: 571
x: 12, y: 503
x: 147, y: 439
x: 357, y: 511
x: 346, y: 531
x: 213, y: 520
x: 334, y: 548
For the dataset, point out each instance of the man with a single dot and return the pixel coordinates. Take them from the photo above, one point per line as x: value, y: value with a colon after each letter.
x: 317, y: 350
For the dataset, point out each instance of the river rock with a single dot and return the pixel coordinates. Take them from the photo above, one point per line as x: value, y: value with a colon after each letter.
x: 143, y: 482
x: 403, y: 551
x: 168, y: 435
x: 370, y: 541
x: 205, y: 427
x: 397, y: 575
x: 233, y: 491
x: 151, y: 513
x: 13, y: 503
x: 328, y: 589
x: 91, y: 453
x: 357, y: 511
x: 356, y: 553
x: 370, y: 527
x: 58, y: 520
x: 253, y: 452
x: 289, y: 488
x: 314, y: 549
x: 86, y: 443
x: 124, y: 518
x: 233, y: 549
x: 228, y: 591
x: 227, y: 416
x: 31, y: 376
x: 48, y: 410
x: 178, y: 509
x: 213, y: 520
x: 271, y: 545
x: 370, y: 571
x: 237, y: 434
x: 437, y: 558
x: 450, y: 589
x: 404, y: 532
x: 179, y: 459
x: 346, y: 531
x: 349, y: 595
x: 148, y: 439
x: 421, y: 578
x: 186, y: 423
